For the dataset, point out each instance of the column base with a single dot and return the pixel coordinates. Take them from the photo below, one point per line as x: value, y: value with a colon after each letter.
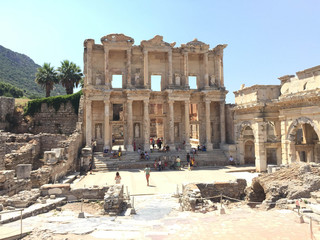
x: 146, y: 147
x: 209, y: 146
x: 129, y: 148
x: 107, y: 147
x: 187, y: 147
x: 172, y: 147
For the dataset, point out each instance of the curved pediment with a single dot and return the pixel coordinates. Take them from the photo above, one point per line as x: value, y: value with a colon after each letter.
x: 156, y: 41
x: 114, y: 37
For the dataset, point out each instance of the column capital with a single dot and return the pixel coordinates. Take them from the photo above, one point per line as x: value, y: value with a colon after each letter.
x: 146, y: 101
x: 145, y: 51
x: 207, y: 100
x: 129, y: 100
x: 170, y: 101
x: 185, y: 53
x: 88, y: 101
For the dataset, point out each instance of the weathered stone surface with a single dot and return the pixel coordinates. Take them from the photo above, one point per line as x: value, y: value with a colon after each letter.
x: 21, y: 200
x: 23, y: 171
x: 297, y: 180
x: 113, y: 200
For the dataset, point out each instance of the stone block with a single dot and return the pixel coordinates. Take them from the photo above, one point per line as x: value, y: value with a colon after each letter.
x: 23, y: 171
x: 50, y: 157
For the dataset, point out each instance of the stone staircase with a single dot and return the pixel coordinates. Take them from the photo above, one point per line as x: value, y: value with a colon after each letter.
x: 131, y: 160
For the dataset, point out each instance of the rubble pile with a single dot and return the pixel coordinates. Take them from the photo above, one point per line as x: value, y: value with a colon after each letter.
x: 191, y: 200
x: 200, y: 197
x: 21, y: 200
x: 113, y: 200
x: 293, y: 181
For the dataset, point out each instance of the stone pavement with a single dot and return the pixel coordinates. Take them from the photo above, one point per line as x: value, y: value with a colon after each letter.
x: 158, y: 218
x: 164, y: 182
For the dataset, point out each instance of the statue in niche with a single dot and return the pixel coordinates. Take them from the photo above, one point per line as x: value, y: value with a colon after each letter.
x: 212, y: 80
x: 137, y: 130
x: 177, y: 79
x: 176, y: 131
x: 137, y: 78
x: 98, y: 131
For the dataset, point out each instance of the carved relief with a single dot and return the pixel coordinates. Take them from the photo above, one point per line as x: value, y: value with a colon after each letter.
x: 98, y: 131
x: 177, y: 79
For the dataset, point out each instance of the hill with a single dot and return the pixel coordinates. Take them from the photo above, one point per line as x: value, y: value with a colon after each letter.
x: 19, y: 70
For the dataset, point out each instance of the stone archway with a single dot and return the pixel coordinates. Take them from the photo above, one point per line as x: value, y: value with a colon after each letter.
x: 245, y: 143
x: 249, y: 152
x: 303, y: 137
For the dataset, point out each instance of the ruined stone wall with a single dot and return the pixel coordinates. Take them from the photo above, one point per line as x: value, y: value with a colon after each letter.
x: 48, y: 120
x: 9, y: 185
x: 229, y: 124
x: 66, y: 163
x: 6, y: 108
x: 49, y: 141
x: 27, y: 154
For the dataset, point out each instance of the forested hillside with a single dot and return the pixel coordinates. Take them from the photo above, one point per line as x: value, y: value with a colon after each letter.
x: 19, y: 70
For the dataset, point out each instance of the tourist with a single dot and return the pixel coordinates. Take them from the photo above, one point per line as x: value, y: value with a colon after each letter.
x: 139, y: 150
x: 93, y: 145
x: 91, y: 165
x: 178, y: 160
x: 159, y: 164
x: 231, y: 160
x: 134, y: 145
x: 188, y: 159
x: 160, y: 143
x: 153, y: 143
x: 117, y: 178
x: 147, y: 170
x: 155, y: 164
x: 120, y: 152
x: 146, y: 156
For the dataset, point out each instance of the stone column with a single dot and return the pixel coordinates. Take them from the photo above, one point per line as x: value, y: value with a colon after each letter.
x: 146, y: 68
x: 129, y: 67
x: 89, y: 62
x: 171, y: 124
x: 284, y: 141
x: 217, y: 69
x: 187, y: 125
x: 221, y: 72
x: 88, y: 123
x: 106, y: 125
x: 206, y: 74
x: 146, y: 125
x: 106, y: 67
x: 222, y: 123
x: 186, y: 70
x: 129, y: 126
x: 259, y: 145
x: 208, y: 126
x: 170, y: 66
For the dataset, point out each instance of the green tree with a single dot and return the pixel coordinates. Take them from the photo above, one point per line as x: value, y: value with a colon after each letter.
x: 69, y: 75
x: 46, y: 77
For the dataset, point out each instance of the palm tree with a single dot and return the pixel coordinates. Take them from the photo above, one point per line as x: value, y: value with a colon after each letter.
x: 46, y: 76
x: 69, y: 75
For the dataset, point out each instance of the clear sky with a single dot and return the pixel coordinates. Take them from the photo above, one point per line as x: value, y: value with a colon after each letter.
x: 266, y: 39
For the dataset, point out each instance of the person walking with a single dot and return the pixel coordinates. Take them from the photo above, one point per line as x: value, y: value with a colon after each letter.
x: 117, y: 178
x: 147, y: 170
x: 188, y: 159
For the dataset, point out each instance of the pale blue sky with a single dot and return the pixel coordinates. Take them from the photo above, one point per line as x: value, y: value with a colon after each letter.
x: 266, y: 39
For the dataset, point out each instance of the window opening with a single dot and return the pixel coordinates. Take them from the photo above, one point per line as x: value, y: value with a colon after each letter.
x: 193, y: 82
x: 116, y: 81
x: 155, y: 83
